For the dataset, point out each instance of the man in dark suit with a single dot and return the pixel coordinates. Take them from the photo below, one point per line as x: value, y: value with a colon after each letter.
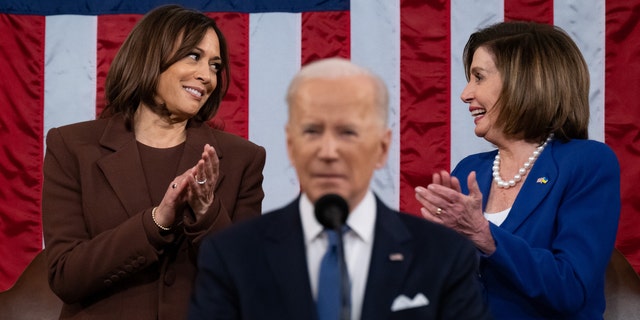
x: 399, y: 266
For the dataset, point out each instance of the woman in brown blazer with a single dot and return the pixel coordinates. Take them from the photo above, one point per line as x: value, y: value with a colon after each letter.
x: 127, y: 198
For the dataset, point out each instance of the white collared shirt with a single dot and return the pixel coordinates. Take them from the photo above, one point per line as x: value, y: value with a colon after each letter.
x: 358, y: 244
x: 498, y: 217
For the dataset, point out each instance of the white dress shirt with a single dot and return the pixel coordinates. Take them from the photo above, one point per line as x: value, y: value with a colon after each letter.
x: 358, y: 243
x: 498, y: 217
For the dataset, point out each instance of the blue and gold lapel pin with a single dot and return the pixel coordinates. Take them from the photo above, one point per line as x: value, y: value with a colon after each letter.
x: 542, y: 180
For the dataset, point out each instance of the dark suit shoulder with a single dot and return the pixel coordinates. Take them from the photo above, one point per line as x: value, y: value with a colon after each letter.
x: 233, y: 142
x: 429, y: 231
x: 82, y: 131
x: 255, y: 229
x: 85, y: 125
x: 415, y: 225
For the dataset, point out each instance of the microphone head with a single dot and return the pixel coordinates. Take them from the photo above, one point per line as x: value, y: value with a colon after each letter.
x: 331, y: 211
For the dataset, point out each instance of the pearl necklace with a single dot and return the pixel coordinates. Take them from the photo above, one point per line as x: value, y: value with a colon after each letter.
x: 521, y: 172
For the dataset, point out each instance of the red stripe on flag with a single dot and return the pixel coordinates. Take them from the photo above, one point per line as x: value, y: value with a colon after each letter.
x: 424, y: 95
x: 233, y: 115
x: 324, y: 35
x: 112, y: 31
x: 528, y: 10
x: 21, y: 151
x: 622, y: 131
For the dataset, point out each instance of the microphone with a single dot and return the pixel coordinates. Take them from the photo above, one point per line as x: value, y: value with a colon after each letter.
x: 331, y: 210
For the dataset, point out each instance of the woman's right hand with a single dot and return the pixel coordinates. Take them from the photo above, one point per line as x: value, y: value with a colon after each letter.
x: 443, y: 202
x: 173, y: 201
x: 185, y: 190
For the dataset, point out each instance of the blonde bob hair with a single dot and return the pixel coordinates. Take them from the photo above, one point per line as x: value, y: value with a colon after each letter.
x: 545, y: 80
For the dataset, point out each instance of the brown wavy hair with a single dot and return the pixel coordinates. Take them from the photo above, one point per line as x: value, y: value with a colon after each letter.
x: 161, y: 38
x: 545, y: 80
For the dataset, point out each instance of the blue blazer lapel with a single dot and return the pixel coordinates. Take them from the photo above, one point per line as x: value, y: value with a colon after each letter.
x: 540, y: 180
x: 484, y: 176
x: 390, y: 260
x: 286, y: 255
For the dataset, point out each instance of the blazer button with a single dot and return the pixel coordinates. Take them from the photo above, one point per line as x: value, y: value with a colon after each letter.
x: 128, y: 268
x: 142, y: 260
x: 107, y: 282
x: 115, y: 278
x: 169, y: 277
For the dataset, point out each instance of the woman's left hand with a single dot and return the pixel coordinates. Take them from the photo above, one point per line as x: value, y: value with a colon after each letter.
x: 202, y: 181
x: 443, y: 202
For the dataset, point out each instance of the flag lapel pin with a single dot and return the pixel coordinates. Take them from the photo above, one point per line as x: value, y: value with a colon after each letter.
x: 396, y: 257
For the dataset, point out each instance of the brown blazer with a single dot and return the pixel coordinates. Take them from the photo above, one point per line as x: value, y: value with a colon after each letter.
x: 106, y: 257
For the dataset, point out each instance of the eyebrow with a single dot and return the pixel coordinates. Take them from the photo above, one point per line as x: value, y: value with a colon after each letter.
x: 477, y: 69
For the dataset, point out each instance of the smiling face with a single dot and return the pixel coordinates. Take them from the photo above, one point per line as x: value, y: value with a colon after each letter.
x: 187, y: 84
x: 482, y: 93
x: 336, y: 136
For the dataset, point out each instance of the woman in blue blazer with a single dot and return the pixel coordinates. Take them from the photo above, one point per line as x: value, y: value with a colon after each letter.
x: 543, y: 208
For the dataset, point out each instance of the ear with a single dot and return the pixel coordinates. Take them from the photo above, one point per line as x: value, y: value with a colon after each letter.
x: 385, y: 144
x: 289, y: 138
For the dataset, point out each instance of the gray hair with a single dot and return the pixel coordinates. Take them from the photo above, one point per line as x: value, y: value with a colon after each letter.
x: 333, y: 68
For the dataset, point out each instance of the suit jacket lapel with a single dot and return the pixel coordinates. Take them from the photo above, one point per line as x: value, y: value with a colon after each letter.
x: 390, y: 260
x: 286, y: 253
x: 123, y: 168
x: 484, y: 176
x: 539, y: 182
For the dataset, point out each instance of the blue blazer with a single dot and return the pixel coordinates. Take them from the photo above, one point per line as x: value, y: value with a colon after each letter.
x: 553, y: 249
x: 258, y: 270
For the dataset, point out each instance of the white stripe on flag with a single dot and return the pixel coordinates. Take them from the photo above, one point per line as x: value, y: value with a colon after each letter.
x: 586, y: 26
x: 466, y: 18
x: 375, y: 44
x: 274, y: 57
x: 70, y: 70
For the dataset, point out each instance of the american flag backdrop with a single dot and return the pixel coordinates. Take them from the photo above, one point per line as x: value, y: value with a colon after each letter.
x: 54, y: 56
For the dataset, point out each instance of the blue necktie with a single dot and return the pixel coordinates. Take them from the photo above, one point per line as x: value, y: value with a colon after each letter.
x: 329, y: 294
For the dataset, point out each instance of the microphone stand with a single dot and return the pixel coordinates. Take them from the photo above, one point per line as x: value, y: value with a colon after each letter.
x: 331, y: 211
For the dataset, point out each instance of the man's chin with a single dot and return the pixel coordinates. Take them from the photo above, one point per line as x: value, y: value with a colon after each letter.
x: 316, y: 193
